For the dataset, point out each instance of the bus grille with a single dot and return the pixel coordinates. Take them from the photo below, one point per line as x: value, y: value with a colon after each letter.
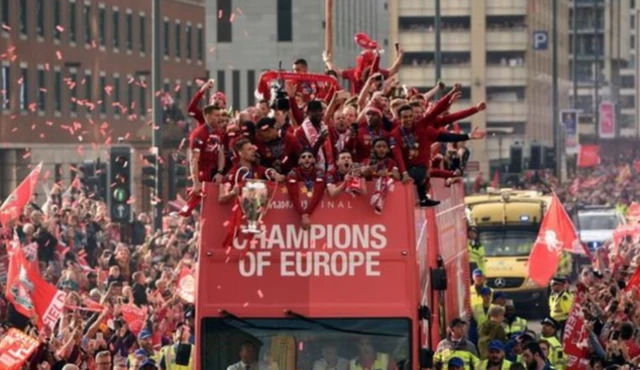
x: 505, y: 282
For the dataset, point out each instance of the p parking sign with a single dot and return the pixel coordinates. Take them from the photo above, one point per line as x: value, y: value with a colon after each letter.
x: 540, y: 40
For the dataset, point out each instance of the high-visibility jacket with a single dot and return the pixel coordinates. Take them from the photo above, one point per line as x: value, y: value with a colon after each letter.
x: 443, y: 355
x: 506, y: 365
x: 479, y: 313
x: 169, y: 356
x: 157, y: 355
x: 477, y: 255
x: 556, y: 353
x: 560, y: 305
x: 381, y: 363
x: 519, y: 325
x: 475, y: 297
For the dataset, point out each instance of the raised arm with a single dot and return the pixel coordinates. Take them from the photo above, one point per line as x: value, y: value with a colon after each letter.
x: 395, y: 67
x: 194, y: 105
x: 328, y: 62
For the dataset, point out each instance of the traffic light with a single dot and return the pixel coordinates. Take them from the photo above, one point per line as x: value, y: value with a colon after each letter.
x: 85, y: 172
x: 120, y: 183
x: 149, y: 170
x: 177, y: 174
x: 515, y: 159
x: 535, y: 161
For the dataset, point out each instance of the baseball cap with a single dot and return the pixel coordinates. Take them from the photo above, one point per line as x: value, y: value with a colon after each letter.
x: 558, y: 280
x: 550, y: 321
x: 498, y: 295
x: 147, y: 363
x: 140, y: 352
x: 144, y: 334
x: 455, y: 362
x: 485, y: 291
x: 456, y: 322
x: 496, y: 345
x: 477, y: 272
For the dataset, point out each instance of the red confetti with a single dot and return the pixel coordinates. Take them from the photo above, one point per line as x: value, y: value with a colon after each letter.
x: 220, y: 14
x: 60, y: 28
x: 14, y: 129
x: 27, y: 155
x: 59, y: 55
x: 239, y: 11
x: 46, y: 174
x: 6, y: 27
x: 233, y: 16
x: 260, y: 293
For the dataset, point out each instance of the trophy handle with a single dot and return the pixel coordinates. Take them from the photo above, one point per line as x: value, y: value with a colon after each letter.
x: 268, y: 174
x: 246, y: 173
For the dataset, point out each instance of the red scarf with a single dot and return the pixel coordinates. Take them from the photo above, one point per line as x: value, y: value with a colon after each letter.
x: 324, y: 157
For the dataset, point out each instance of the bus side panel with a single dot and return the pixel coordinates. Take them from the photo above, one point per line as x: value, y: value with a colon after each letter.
x: 422, y: 253
x: 448, y: 239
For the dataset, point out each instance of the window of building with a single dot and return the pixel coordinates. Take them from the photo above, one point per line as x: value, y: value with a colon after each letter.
x: 285, y: 21
x: 24, y: 88
x: 103, y: 94
x: 73, y: 91
x: 73, y: 31
x: 189, y: 92
x: 42, y: 90
x: 178, y: 39
x: 56, y: 20
x: 166, y: 36
x: 102, y: 26
x: 221, y: 81
x: 57, y: 90
x: 115, y: 28
x: 235, y: 81
x: 40, y: 18
x: 6, y: 86
x: 5, y: 13
x: 143, y: 100
x: 23, y: 17
x: 116, y: 96
x: 129, y: 25
x: 188, y: 35
x: 143, y: 33
x: 224, y: 30
x: 130, y: 103
x: 632, y: 22
x: 88, y: 32
x: 88, y: 89
x: 628, y: 81
x: 251, y: 87
x: 632, y: 42
x: 200, y: 43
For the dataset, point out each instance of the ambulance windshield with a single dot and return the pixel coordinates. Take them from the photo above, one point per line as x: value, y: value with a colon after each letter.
x: 297, y: 344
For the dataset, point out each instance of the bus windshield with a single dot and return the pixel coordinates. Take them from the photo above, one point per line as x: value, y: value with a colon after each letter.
x: 293, y: 343
x: 597, y: 222
x: 507, y: 242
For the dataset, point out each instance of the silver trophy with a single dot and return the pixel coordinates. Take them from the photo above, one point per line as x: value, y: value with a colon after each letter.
x: 253, y: 201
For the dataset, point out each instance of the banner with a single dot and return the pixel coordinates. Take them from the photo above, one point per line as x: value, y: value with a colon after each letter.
x: 607, y: 128
x: 12, y: 206
x: 569, y: 120
x: 134, y: 316
x: 15, y: 349
x: 575, y: 338
x: 589, y: 156
x: 187, y: 285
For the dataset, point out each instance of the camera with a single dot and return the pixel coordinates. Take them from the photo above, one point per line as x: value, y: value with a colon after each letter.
x: 280, y: 99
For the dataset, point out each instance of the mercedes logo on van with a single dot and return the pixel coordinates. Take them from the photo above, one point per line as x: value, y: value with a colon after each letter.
x: 500, y: 282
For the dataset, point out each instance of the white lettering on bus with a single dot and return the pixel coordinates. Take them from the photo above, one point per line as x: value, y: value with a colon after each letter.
x: 322, y: 263
x: 341, y: 237
x: 253, y: 264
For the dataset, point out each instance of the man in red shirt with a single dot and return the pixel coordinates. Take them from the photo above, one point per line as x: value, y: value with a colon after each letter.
x: 277, y: 150
x: 207, y: 150
x: 314, y: 134
x: 339, y: 178
x: 341, y: 134
x: 306, y: 184
x: 193, y: 108
x: 246, y: 168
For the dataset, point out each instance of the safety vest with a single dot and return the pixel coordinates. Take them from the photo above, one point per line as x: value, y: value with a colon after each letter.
x: 506, y: 365
x: 556, y: 353
x: 519, y: 325
x: 471, y: 362
x: 565, y: 266
x: 560, y: 305
x: 169, y: 355
x: 381, y: 363
x: 475, y: 297
x: 157, y: 356
x: 477, y: 256
x: 479, y: 314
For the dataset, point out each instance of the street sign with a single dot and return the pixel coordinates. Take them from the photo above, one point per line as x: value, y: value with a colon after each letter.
x: 540, y: 40
x: 607, y: 128
x: 473, y: 166
x: 569, y: 120
x: 121, y: 213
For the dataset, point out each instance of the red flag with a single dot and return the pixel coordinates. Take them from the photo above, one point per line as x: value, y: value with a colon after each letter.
x: 495, y: 183
x: 186, y: 285
x: 134, y: 317
x: 20, y: 197
x: 574, y: 342
x: 556, y: 235
x: 29, y: 293
x: 634, y: 282
x: 15, y: 349
x: 589, y: 156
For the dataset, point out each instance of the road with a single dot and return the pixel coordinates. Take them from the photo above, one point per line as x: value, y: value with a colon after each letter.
x: 534, y: 325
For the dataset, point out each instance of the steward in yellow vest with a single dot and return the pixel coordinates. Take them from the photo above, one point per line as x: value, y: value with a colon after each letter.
x: 478, y: 284
x: 495, y: 360
x: 549, y: 334
x: 368, y: 358
x: 476, y: 251
x: 560, y: 302
x: 145, y: 350
x: 513, y: 325
x: 178, y: 356
x: 455, y: 345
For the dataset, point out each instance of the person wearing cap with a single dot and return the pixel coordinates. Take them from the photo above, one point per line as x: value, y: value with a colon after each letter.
x: 306, y: 183
x: 455, y: 363
x: 556, y: 352
x: 456, y: 345
x: 479, y: 313
x: 136, y: 358
x: 314, y: 134
x: 179, y: 355
x: 145, y: 342
x: 560, y: 302
x: 499, y: 299
x: 148, y: 364
x: 476, y: 250
x: 513, y: 324
x: 478, y: 284
x: 491, y: 330
x: 496, y: 358
x: 277, y: 150
x: 520, y: 342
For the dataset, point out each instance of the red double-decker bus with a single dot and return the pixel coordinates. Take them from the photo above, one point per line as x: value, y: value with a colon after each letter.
x: 351, y: 287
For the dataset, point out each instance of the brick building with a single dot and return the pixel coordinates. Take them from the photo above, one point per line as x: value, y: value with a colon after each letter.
x: 73, y: 78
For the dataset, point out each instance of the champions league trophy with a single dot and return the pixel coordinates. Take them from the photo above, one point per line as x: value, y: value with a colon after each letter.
x: 253, y: 201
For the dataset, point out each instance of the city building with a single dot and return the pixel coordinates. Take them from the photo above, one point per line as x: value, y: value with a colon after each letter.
x: 606, y: 47
x: 501, y: 53
x: 261, y: 34
x: 76, y: 77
